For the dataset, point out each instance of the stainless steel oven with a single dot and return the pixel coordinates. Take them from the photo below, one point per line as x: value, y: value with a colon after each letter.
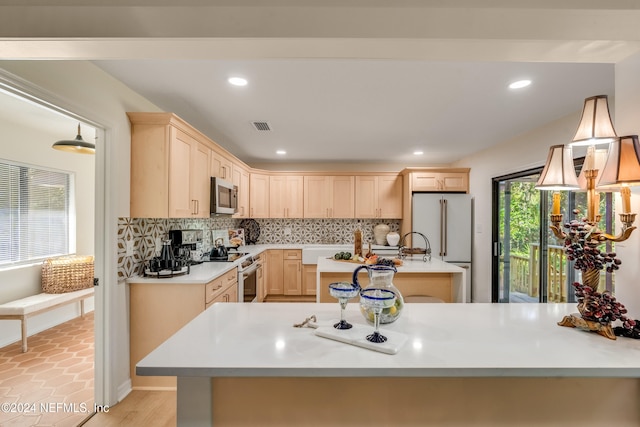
x: 248, y: 280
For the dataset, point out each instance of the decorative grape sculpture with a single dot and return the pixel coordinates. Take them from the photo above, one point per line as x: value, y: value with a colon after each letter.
x: 585, y: 252
x: 603, y: 307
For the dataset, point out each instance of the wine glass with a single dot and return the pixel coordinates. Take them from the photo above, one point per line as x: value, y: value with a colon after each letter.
x: 377, y: 300
x: 343, y: 291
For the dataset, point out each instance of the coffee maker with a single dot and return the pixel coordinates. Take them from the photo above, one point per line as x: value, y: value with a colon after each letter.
x: 187, y: 244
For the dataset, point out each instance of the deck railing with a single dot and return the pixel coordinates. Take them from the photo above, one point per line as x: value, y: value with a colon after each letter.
x: 526, y: 279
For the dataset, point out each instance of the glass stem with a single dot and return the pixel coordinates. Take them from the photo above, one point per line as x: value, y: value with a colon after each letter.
x: 343, y: 306
x: 376, y: 319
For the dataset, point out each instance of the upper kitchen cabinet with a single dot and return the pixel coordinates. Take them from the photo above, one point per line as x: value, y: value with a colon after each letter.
x: 240, y: 178
x: 169, y: 168
x: 258, y: 195
x: 379, y: 196
x: 449, y: 181
x: 329, y: 196
x: 285, y: 196
x: 221, y: 166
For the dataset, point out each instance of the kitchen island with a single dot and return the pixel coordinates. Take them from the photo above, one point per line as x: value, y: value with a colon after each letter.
x: 461, y: 364
x: 415, y: 277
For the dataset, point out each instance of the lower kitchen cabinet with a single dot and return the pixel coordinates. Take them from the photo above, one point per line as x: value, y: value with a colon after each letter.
x: 292, y: 267
x: 261, y: 275
x: 159, y: 310
x: 222, y: 289
x: 275, y: 273
x: 309, y: 279
x: 284, y: 272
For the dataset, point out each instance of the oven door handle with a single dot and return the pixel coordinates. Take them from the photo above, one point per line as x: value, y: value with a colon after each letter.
x: 250, y: 270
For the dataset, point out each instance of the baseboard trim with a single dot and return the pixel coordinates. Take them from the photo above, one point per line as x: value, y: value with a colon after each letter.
x: 123, y: 390
x: 153, y: 388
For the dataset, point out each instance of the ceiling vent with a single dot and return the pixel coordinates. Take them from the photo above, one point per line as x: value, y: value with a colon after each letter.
x: 261, y: 126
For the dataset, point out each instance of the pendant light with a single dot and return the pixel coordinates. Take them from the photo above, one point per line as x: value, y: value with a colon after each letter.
x: 78, y: 145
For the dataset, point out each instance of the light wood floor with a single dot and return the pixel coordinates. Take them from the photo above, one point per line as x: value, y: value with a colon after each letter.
x: 139, y: 408
x: 156, y: 408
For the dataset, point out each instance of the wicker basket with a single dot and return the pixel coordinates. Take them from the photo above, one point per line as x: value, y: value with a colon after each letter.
x: 67, y: 274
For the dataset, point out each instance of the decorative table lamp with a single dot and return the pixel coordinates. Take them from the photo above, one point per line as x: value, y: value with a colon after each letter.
x: 583, y: 238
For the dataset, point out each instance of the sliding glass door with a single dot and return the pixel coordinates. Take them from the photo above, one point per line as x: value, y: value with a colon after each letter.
x: 529, y: 264
x: 516, y: 248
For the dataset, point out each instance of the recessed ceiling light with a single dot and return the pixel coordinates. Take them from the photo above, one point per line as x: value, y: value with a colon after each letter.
x: 519, y: 84
x: 281, y: 152
x: 237, y: 81
x: 418, y: 153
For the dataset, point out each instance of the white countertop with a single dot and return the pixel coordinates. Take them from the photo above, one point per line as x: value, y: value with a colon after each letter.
x: 201, y: 273
x: 208, y: 271
x: 416, y: 265
x: 444, y: 340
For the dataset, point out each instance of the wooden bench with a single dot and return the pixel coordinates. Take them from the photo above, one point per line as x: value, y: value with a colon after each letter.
x: 30, y: 306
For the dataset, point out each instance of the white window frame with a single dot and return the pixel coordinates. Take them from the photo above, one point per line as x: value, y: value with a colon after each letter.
x: 71, y: 218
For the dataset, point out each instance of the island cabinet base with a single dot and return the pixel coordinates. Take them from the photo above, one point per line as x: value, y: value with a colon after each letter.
x: 437, y: 285
x: 392, y: 401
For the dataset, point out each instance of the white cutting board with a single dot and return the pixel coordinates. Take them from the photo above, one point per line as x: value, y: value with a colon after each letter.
x: 357, y: 336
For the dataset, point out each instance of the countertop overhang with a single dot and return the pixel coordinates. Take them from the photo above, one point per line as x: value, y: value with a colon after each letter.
x: 444, y: 340
x: 410, y: 265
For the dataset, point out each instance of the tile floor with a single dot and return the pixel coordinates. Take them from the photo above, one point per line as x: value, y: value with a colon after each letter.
x: 52, y: 383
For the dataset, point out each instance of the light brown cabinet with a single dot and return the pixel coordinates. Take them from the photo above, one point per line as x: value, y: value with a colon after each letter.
x: 261, y: 274
x: 292, y: 272
x: 221, y: 167
x: 275, y: 273
x: 154, y: 316
x: 378, y: 196
x: 222, y: 289
x: 169, y: 169
x: 329, y: 197
x: 199, y: 181
x: 284, y: 272
x: 309, y: 279
x: 440, y: 181
x: 240, y: 178
x: 286, y: 196
x: 258, y: 195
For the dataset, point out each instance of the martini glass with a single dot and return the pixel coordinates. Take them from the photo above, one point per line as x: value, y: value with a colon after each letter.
x: 343, y: 291
x: 377, y: 300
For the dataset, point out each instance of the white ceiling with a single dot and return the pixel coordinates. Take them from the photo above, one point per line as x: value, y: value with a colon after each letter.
x: 326, y: 110
x: 24, y: 113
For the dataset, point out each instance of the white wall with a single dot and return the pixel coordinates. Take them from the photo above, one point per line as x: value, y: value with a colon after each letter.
x: 521, y: 153
x: 84, y: 89
x: 33, y: 146
x: 627, y: 122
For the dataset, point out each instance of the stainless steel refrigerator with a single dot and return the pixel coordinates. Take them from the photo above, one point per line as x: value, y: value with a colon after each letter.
x: 447, y: 222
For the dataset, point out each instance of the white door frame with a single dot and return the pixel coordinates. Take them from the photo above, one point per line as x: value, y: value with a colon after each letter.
x: 105, y: 228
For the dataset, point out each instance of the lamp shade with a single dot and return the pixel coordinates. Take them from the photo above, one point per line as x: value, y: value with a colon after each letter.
x: 595, y: 125
x: 77, y: 145
x: 623, y: 163
x: 558, y: 173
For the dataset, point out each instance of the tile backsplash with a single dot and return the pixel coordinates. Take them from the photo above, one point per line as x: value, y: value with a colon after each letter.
x: 147, y: 232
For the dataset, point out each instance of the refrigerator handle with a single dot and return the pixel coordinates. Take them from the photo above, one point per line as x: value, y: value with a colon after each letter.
x: 444, y: 226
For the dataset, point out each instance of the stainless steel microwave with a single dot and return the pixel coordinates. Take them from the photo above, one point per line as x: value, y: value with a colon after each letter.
x: 224, y: 197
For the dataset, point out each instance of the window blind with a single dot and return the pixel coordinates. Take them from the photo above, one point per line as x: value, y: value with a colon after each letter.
x: 34, y: 213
